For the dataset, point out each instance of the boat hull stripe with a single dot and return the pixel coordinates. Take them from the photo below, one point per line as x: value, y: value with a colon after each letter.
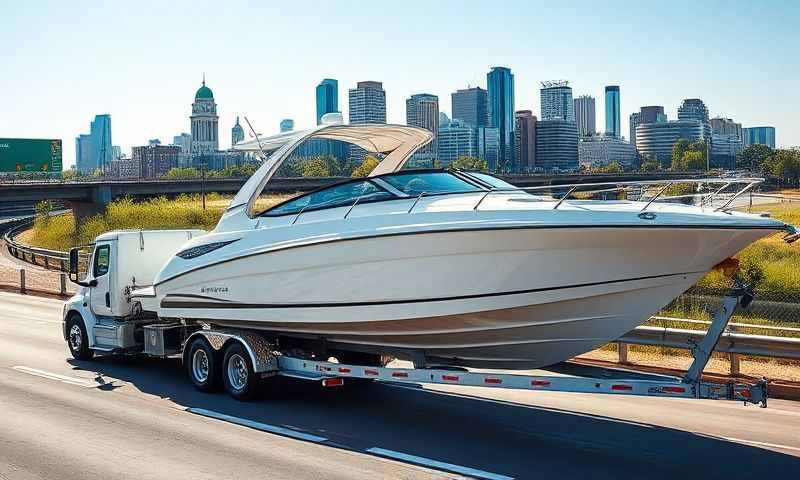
x: 171, y: 301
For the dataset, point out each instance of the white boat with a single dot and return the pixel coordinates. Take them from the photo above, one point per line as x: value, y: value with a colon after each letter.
x: 448, y: 267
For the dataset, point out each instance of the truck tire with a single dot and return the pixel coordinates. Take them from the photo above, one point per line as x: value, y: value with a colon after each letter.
x: 78, y: 339
x: 202, y: 365
x: 240, y: 380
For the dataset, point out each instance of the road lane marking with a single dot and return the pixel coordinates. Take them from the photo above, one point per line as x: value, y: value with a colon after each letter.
x: 257, y: 425
x: 761, y: 444
x: 472, y: 472
x: 80, y: 382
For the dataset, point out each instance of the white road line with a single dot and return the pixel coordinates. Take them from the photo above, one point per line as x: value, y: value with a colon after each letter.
x: 80, y: 382
x: 257, y: 425
x: 760, y: 444
x: 472, y: 472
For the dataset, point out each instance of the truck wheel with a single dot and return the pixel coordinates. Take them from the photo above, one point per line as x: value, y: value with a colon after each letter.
x: 240, y: 379
x: 77, y: 339
x: 202, y: 366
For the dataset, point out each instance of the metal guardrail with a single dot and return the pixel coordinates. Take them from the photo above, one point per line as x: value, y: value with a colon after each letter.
x: 49, y: 259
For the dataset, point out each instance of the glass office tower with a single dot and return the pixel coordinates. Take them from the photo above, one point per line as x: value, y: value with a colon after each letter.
x: 612, y: 111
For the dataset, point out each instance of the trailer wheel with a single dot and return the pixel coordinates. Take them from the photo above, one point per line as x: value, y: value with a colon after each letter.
x: 241, y: 381
x: 77, y: 339
x: 202, y: 365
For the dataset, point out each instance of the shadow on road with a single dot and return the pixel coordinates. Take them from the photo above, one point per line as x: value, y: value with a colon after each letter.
x: 517, y: 440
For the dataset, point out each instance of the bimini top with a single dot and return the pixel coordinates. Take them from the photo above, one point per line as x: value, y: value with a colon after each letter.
x: 396, y: 142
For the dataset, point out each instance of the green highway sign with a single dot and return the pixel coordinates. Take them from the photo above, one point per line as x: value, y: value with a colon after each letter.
x: 30, y: 155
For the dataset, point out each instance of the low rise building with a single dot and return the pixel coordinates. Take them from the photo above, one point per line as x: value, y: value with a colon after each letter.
x: 603, y: 150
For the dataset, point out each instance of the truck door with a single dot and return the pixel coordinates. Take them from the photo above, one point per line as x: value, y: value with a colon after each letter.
x: 101, y: 272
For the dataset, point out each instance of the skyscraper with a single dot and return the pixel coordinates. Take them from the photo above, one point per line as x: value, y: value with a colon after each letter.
x: 760, y: 136
x: 556, y: 145
x: 470, y: 105
x: 635, y: 120
x: 500, y: 83
x: 422, y: 110
x: 184, y: 140
x: 695, y: 109
x: 237, y: 133
x: 456, y: 139
x: 585, y: 115
x: 726, y: 126
x: 556, y: 101
x: 525, y: 140
x: 327, y: 98
x: 205, y: 122
x: 652, y: 114
x: 612, y: 111
x: 367, y: 103
x: 94, y: 151
x: 655, y: 140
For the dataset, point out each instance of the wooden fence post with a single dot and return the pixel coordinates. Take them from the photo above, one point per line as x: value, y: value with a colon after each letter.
x: 63, y: 278
x: 22, y: 280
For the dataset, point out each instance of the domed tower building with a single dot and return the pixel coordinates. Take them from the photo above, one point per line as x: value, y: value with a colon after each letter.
x: 205, y: 122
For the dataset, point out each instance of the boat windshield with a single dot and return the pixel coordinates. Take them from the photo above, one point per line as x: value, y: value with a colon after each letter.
x: 490, y: 180
x: 336, y: 196
x: 430, y: 183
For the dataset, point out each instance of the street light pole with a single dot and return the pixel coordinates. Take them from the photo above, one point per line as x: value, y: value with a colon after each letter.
x: 203, y: 184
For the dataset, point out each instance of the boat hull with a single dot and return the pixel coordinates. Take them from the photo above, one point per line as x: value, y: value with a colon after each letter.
x: 511, y: 298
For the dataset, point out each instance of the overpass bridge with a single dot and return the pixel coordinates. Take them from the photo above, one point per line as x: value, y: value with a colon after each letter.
x: 87, y: 198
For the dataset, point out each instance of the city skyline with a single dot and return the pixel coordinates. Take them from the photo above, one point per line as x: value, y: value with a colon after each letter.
x: 144, y: 105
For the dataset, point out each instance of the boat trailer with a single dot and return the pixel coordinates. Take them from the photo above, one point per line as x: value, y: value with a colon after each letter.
x: 267, y: 363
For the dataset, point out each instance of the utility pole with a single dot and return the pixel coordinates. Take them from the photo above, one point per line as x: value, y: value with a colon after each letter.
x: 203, y: 184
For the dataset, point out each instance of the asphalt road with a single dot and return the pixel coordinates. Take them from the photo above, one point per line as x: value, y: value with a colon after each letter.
x: 140, y: 418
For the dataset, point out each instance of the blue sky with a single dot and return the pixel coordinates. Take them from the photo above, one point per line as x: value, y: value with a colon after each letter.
x: 64, y: 62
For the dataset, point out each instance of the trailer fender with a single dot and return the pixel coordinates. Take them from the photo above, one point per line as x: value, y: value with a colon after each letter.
x: 260, y: 350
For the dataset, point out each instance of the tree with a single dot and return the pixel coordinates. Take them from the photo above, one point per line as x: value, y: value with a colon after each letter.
x: 469, y: 163
x: 680, y: 147
x: 613, y: 167
x: 689, y: 155
x: 693, y: 160
x: 650, y: 165
x: 753, y: 157
x: 69, y: 175
x: 182, y: 173
x: 316, y: 167
x: 786, y: 165
x: 366, y: 167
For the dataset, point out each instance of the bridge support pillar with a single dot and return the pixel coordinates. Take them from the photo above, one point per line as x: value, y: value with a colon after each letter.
x: 95, y: 205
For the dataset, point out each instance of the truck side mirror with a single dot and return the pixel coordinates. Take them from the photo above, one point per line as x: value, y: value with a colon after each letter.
x: 73, y: 261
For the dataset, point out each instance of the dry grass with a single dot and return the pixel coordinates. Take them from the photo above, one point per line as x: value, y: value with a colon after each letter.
x: 185, y: 211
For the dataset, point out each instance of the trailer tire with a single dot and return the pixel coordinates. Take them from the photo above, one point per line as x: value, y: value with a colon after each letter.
x: 240, y: 379
x: 78, y: 339
x: 202, y: 365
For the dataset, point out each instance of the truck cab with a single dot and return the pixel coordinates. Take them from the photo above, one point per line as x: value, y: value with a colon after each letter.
x: 101, y: 317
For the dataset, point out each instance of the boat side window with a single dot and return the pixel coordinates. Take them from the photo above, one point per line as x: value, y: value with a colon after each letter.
x: 101, y: 260
x: 336, y: 196
x: 414, y: 183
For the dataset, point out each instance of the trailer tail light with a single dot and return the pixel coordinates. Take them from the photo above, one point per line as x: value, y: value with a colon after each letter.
x: 492, y: 381
x: 450, y: 378
x: 540, y: 383
x: 332, y: 382
x: 674, y: 390
x: 369, y: 371
x: 344, y: 370
x: 400, y: 374
x: 620, y: 387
